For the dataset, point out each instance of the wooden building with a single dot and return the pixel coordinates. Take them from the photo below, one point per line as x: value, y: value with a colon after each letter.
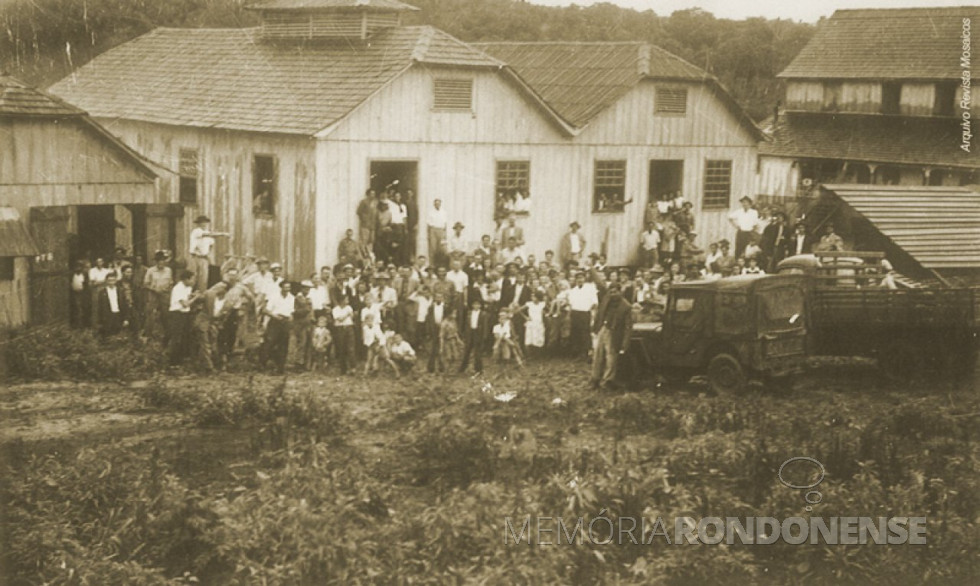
x: 278, y: 130
x: 81, y: 191
x: 876, y: 97
x: 16, y: 251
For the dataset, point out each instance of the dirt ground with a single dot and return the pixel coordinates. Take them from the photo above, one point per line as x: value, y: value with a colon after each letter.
x: 539, y: 415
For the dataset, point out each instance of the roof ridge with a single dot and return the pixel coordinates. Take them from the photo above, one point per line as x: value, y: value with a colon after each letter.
x: 583, y: 43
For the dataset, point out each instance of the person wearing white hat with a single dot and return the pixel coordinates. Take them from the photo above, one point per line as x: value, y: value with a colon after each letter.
x: 201, y: 245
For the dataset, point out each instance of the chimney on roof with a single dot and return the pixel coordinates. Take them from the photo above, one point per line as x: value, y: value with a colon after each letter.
x: 305, y: 20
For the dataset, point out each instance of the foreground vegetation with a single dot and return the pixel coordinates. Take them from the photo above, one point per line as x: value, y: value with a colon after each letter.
x: 321, y: 480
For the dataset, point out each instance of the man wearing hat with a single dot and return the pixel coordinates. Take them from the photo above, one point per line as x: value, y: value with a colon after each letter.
x: 775, y: 237
x: 457, y: 243
x: 745, y: 220
x: 202, y: 241
x: 612, y: 326
x: 572, y: 245
x: 302, y: 329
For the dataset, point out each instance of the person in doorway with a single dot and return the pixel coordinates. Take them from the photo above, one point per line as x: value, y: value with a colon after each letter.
x: 367, y: 217
x: 201, y: 245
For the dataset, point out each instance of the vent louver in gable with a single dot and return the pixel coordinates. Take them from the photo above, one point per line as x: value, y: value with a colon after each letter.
x: 452, y: 94
x: 670, y: 100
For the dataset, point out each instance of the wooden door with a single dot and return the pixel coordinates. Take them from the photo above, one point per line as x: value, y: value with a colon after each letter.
x: 50, y: 270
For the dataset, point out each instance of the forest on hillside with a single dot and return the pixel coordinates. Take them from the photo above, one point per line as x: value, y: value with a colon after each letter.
x: 43, y: 40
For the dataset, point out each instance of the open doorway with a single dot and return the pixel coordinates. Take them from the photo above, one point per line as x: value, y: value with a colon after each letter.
x: 666, y: 180
x: 96, y: 232
x: 399, y: 175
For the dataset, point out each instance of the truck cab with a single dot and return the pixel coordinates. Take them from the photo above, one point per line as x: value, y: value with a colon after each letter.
x: 729, y: 329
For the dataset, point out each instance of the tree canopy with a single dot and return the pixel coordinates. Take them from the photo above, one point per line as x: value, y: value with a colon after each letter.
x: 43, y: 40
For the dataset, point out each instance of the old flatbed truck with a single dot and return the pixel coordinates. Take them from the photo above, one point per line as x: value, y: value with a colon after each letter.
x: 911, y: 331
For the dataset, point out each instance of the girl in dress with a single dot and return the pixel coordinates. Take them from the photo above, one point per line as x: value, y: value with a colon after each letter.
x: 534, y: 331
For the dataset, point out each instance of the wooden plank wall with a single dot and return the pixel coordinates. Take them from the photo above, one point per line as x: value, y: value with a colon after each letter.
x: 15, y: 297
x: 225, y: 188
x: 457, y: 152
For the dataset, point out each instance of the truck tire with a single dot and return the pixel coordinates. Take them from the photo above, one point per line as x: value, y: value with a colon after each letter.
x: 725, y: 374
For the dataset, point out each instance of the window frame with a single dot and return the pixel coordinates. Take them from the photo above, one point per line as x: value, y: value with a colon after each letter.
x: 604, y: 188
x: 658, y: 102
x: 269, y: 210
x: 498, y: 188
x: 711, y: 201
x: 184, y: 180
x: 436, y: 107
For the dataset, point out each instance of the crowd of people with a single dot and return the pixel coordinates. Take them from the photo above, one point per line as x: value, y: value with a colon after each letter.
x: 381, y: 307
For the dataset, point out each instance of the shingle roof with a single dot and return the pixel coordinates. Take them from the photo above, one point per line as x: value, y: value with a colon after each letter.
x: 227, y: 78
x: 381, y: 5
x: 18, y: 99
x: 580, y: 80
x: 938, y: 226
x: 908, y: 43
x: 14, y: 238
x: 870, y: 138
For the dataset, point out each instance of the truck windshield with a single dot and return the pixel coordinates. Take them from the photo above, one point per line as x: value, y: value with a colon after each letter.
x: 781, y: 309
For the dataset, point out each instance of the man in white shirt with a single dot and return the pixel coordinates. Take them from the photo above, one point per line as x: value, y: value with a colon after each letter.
x: 512, y: 252
x: 433, y: 324
x: 460, y: 280
x: 650, y: 245
x: 437, y: 223
x: 320, y: 294
x: 182, y: 297
x: 279, y: 308
x: 745, y: 221
x: 457, y: 243
x: 201, y: 245
x: 572, y: 245
x: 582, y: 299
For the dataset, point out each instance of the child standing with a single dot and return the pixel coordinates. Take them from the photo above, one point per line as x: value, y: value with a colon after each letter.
x: 343, y: 321
x: 322, y: 341
x: 376, y: 345
x: 534, y: 328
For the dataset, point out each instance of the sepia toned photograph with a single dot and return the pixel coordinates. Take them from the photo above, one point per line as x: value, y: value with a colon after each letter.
x: 373, y: 292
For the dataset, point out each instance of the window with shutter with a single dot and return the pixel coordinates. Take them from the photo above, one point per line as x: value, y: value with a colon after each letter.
x: 670, y: 100
x: 452, y: 94
x: 188, y: 170
x: 717, y: 184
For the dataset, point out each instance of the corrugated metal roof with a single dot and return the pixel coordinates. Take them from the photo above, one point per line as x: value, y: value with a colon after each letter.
x: 906, y: 43
x: 14, y: 238
x: 871, y: 138
x: 379, y: 5
x: 938, y: 226
x: 228, y: 78
x: 18, y: 99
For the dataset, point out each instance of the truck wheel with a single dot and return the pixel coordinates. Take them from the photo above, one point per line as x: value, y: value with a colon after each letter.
x: 725, y: 374
x: 901, y: 362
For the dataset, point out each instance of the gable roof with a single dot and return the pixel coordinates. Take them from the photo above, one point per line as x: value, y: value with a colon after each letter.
x: 873, y: 139
x: 580, y: 80
x: 18, y: 99
x: 939, y: 227
x: 907, y: 43
x: 308, y: 5
x: 228, y: 78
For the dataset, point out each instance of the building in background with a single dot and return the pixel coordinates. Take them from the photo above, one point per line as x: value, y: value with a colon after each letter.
x: 81, y: 191
x: 277, y: 131
x: 874, y: 98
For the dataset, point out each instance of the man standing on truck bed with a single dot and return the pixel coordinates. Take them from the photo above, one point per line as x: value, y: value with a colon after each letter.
x: 613, y: 324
